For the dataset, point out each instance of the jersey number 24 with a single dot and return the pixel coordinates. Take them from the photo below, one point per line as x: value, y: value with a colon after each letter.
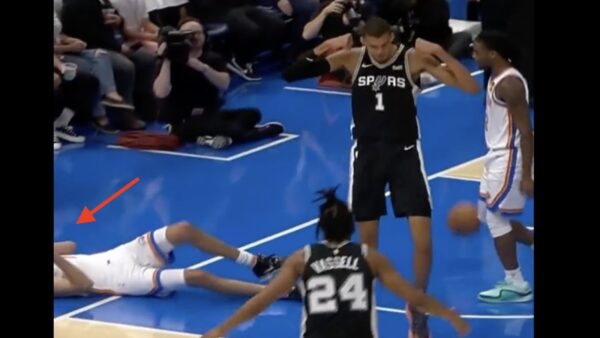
x: 322, y: 294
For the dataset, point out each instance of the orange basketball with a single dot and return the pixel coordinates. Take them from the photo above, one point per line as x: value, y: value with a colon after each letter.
x: 462, y: 218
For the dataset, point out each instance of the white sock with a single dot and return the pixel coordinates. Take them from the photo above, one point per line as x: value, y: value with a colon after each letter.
x: 246, y: 258
x: 515, y: 275
x: 64, y: 118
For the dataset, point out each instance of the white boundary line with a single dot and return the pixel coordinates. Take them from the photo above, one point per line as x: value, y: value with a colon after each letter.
x: 287, y: 137
x: 393, y: 310
x: 245, y: 247
x: 335, y: 92
x: 461, y: 178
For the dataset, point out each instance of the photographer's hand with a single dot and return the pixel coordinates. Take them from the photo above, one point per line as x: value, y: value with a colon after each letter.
x: 336, y: 6
x: 161, y: 49
x: 312, y: 28
x: 113, y: 20
x: 126, y: 50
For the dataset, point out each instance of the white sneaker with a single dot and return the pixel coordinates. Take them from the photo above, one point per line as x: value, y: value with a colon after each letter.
x: 507, y: 291
x: 57, y: 144
x: 216, y: 142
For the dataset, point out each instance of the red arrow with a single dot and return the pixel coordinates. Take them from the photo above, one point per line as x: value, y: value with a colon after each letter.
x: 87, y: 215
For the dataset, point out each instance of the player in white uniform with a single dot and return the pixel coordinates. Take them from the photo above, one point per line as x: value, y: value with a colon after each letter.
x: 137, y: 268
x: 507, y: 178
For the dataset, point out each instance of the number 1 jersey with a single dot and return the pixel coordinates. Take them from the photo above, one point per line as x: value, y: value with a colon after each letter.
x: 384, y: 100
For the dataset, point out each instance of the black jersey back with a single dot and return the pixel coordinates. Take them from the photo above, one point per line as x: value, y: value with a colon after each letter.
x: 338, y: 292
x: 383, y: 100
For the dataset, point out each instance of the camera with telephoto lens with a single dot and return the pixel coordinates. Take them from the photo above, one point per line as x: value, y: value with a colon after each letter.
x: 357, y: 10
x: 178, y: 44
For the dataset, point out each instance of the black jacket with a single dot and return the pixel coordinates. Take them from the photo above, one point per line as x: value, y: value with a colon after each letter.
x: 83, y: 19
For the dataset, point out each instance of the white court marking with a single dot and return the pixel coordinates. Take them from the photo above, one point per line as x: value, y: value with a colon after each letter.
x: 250, y: 246
x: 286, y: 137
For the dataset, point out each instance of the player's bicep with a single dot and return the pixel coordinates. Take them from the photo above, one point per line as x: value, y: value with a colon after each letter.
x: 345, y: 59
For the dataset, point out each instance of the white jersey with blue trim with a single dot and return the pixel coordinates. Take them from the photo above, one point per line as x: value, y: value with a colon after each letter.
x: 500, y: 130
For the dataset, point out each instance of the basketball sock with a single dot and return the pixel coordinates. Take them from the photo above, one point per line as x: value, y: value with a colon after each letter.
x: 246, y: 258
x: 515, y: 275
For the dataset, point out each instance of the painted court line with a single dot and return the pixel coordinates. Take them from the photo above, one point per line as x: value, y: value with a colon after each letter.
x: 335, y: 92
x: 286, y: 137
x: 461, y: 178
x: 245, y: 247
x: 393, y: 310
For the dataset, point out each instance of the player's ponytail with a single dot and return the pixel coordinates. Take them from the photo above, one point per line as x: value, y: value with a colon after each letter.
x: 335, y: 219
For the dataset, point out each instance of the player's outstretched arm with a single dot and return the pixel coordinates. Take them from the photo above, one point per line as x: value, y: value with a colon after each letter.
x: 312, y: 66
x: 279, y: 286
x: 384, y: 270
x: 75, y: 283
x: 65, y: 248
x: 432, y: 58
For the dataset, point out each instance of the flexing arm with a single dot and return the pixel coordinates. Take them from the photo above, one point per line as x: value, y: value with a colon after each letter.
x: 312, y: 66
x: 512, y: 91
x: 76, y: 281
x: 392, y: 281
x: 432, y: 58
x: 280, y: 285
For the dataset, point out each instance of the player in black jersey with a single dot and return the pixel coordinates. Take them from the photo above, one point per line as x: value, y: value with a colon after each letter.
x: 385, y: 129
x: 337, y: 283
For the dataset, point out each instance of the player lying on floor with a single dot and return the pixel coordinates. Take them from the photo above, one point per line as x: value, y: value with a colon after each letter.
x: 137, y: 268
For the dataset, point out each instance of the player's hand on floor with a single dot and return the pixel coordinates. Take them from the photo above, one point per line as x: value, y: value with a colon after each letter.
x: 527, y: 187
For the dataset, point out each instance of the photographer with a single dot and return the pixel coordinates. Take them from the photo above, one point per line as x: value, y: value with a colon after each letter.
x: 337, y: 23
x: 337, y: 18
x: 428, y: 20
x: 191, y: 83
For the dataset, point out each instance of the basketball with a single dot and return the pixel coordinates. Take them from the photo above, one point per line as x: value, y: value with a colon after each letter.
x: 462, y: 219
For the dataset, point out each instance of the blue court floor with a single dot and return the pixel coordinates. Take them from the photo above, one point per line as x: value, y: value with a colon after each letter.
x: 259, y: 196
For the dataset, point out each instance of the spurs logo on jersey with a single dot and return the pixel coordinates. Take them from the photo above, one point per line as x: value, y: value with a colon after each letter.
x: 500, y: 131
x: 381, y: 80
x: 383, y: 99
